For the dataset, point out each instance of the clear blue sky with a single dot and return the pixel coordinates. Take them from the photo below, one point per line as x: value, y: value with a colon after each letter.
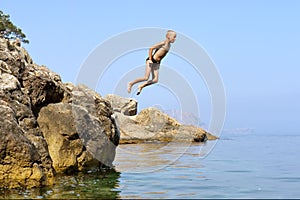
x: 254, y: 43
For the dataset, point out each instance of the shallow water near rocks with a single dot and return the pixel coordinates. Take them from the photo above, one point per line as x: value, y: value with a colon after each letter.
x: 239, y: 166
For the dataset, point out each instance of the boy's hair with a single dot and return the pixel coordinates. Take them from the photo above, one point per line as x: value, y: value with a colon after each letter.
x: 169, y: 31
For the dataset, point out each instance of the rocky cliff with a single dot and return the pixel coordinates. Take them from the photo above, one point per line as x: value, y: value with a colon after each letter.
x: 47, y: 126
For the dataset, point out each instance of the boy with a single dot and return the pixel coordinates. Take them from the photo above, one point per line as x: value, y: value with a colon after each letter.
x: 153, y: 62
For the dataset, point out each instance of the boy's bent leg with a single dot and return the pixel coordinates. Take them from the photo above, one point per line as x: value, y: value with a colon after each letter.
x: 145, y: 78
x: 144, y: 85
x: 153, y: 81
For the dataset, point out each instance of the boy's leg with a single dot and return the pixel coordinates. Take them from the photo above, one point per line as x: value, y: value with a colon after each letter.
x: 155, y: 73
x: 145, y: 78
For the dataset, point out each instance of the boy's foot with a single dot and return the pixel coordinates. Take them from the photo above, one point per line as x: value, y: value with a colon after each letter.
x: 129, y: 86
x: 139, y: 91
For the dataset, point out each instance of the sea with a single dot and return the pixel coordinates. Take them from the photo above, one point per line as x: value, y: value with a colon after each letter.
x: 247, y: 165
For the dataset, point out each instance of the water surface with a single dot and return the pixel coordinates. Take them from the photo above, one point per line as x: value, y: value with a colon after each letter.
x: 239, y: 166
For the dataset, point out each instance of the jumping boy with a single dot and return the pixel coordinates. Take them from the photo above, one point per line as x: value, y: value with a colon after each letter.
x: 153, y: 62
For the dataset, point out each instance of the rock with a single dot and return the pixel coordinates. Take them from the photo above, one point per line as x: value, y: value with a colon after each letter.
x: 76, y: 139
x: 20, y: 117
x: 20, y: 161
x: 4, y: 67
x: 127, y: 106
x: 13, y: 96
x: 92, y: 101
x: 3, y: 44
x: 8, y: 82
x: 30, y: 149
x: 153, y: 125
x: 42, y: 86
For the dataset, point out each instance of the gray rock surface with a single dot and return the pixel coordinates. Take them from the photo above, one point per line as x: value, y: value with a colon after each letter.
x: 126, y: 106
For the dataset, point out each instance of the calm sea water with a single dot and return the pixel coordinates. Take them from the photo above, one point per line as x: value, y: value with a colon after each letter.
x: 239, y: 166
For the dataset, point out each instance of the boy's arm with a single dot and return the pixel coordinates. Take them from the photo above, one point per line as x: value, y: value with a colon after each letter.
x: 156, y: 46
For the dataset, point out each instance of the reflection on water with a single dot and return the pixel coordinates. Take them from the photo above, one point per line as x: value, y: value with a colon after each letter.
x: 98, y: 185
x: 159, y: 170
x: 149, y: 157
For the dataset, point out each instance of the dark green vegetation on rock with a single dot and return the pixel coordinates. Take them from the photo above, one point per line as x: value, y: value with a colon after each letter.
x: 10, y: 31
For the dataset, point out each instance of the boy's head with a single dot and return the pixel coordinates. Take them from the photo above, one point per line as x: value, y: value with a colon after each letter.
x: 171, y: 36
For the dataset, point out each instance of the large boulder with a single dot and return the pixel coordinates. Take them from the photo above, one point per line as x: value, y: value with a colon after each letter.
x: 76, y: 139
x: 81, y: 133
x: 153, y: 125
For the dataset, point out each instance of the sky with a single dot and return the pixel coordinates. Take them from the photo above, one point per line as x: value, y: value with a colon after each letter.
x: 254, y: 44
